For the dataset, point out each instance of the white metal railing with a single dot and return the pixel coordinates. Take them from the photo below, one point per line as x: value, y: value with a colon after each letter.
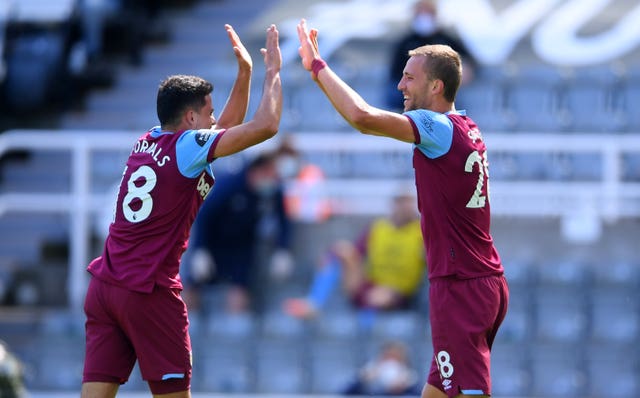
x: 607, y: 198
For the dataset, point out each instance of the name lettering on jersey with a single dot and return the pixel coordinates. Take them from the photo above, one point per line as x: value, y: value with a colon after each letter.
x: 203, y: 186
x: 475, y: 135
x: 202, y: 137
x: 152, y: 149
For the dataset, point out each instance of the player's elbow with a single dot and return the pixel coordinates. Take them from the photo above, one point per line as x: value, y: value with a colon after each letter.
x: 363, y: 119
x: 272, y: 124
x: 268, y: 123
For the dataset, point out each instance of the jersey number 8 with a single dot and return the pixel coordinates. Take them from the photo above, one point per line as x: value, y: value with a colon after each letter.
x: 141, y: 193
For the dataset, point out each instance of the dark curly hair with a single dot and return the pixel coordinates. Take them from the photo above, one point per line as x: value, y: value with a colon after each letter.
x: 178, y: 93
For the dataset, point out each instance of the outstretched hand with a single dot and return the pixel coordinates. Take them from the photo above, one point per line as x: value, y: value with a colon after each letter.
x: 271, y: 54
x: 308, y: 49
x: 243, y: 56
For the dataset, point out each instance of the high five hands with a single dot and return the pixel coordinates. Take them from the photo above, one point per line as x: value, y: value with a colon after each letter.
x: 308, y: 49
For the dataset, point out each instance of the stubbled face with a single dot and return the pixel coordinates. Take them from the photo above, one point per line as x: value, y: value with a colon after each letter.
x: 415, y: 86
x: 204, y: 118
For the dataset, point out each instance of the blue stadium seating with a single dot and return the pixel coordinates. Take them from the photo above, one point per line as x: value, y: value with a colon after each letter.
x: 558, y: 370
x: 589, y: 97
x: 534, y: 99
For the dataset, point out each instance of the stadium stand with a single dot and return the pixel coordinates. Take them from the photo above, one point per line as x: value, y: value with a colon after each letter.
x: 573, y: 325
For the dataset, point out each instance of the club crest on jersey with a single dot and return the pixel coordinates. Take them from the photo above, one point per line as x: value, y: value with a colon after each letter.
x: 202, y: 137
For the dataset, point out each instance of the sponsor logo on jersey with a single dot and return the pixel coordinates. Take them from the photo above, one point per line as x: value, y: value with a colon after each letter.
x: 203, y: 186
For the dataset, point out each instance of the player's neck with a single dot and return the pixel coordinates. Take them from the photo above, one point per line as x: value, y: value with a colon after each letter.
x: 443, y: 107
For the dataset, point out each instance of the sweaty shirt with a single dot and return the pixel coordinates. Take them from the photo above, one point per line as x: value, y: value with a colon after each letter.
x: 452, y: 181
x: 167, y: 177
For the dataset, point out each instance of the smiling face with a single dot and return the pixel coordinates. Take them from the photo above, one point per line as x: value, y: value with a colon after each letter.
x: 414, y: 85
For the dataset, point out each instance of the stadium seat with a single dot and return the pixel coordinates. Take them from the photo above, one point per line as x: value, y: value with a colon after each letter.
x: 333, y: 164
x: 615, y: 315
x: 503, y: 166
x: 532, y: 166
x: 484, y: 99
x: 617, y: 275
x: 59, y: 363
x: 223, y: 366
x: 281, y: 367
x: 631, y: 97
x: 378, y: 165
x: 510, y: 373
x: 33, y: 69
x: 333, y: 364
x: 589, y: 97
x: 534, y: 100
x: 317, y: 113
x: 631, y: 167
x: 398, y: 325
x: 275, y: 324
x: 56, y: 323
x: 558, y: 370
x: 230, y: 326
x: 519, y: 272
x: 569, y: 272
x: 336, y: 325
x: 613, y: 370
x: 560, y: 314
x: 586, y: 167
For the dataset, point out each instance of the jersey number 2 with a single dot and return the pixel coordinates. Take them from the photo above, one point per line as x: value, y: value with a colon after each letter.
x: 477, y: 199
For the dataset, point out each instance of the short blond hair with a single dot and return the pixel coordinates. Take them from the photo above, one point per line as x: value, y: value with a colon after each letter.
x: 441, y: 63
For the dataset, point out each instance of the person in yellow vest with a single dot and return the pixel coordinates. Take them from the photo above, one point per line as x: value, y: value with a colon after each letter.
x: 383, y: 270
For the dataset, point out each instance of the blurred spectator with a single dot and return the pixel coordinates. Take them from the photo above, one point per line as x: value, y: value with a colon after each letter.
x: 242, y: 219
x: 305, y: 195
x: 425, y: 29
x: 383, y: 270
x: 11, y: 374
x: 388, y: 374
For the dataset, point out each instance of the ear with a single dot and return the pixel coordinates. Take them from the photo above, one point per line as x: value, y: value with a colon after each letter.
x: 437, y: 86
x: 189, y: 117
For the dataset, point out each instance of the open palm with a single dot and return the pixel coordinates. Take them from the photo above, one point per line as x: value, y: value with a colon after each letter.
x: 243, y: 56
x: 308, y: 49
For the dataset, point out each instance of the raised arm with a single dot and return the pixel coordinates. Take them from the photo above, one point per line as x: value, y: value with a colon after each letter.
x: 353, y: 108
x: 266, y: 120
x: 236, y: 106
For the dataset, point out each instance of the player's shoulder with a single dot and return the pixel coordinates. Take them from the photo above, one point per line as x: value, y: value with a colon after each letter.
x: 200, y: 137
x: 428, y: 118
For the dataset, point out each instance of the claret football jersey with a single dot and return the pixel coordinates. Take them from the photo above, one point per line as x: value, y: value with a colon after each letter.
x: 452, y: 181
x: 167, y: 177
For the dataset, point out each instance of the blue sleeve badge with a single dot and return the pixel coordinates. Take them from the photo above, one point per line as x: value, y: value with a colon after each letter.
x: 202, y: 137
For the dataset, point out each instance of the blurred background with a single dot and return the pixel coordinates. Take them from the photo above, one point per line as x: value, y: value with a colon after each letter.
x: 555, y: 90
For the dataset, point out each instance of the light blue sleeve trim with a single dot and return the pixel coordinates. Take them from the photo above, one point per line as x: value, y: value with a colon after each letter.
x: 193, y: 149
x: 435, y: 130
